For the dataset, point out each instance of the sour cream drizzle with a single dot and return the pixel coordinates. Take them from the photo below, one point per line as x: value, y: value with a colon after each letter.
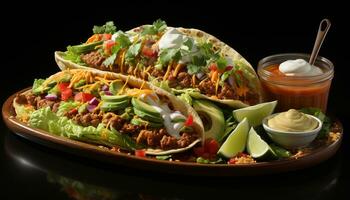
x: 167, y: 115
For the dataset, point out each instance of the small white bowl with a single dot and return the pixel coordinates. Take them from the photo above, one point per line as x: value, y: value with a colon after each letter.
x: 292, y: 140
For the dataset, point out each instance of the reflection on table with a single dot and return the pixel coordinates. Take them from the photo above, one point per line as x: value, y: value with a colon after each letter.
x: 81, y: 178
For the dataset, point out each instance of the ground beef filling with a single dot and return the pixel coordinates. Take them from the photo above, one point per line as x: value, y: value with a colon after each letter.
x: 93, y: 59
x: 181, y: 80
x: 37, y: 101
x: 155, y: 138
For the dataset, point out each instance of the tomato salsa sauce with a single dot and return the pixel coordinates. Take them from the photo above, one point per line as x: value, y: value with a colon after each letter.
x: 294, y: 92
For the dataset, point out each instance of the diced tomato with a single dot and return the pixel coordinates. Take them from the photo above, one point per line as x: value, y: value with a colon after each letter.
x: 199, y: 151
x: 211, y: 146
x: 228, y: 68
x: 66, y: 94
x: 73, y: 111
x: 140, y: 153
x: 83, y: 97
x: 63, y: 86
x: 213, y: 67
x: 109, y: 44
x: 189, y: 121
x: 232, y: 161
x: 149, y: 52
x: 107, y: 36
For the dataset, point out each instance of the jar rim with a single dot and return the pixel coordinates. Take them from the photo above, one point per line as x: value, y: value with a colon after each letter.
x: 279, y: 58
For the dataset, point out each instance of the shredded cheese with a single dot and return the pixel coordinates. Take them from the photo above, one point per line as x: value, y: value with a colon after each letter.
x: 217, y: 86
x: 122, y: 61
x: 126, y: 82
x: 177, y: 69
x: 168, y: 71
x: 193, y: 80
x: 143, y: 83
x: 135, y: 70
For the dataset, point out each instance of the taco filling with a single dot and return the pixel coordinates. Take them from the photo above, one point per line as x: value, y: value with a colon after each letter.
x: 107, y: 110
x: 176, y: 57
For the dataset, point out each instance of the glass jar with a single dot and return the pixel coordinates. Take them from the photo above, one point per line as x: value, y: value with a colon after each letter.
x: 295, y: 91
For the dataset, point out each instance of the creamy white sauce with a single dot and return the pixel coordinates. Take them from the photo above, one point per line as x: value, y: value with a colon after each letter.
x: 130, y: 35
x: 174, y: 39
x: 171, y: 39
x: 167, y: 115
x: 299, y: 67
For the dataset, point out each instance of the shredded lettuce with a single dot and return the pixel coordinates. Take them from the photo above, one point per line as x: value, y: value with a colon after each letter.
x: 47, y: 120
x: 40, y: 118
x: 66, y: 106
x: 185, y: 97
x: 38, y: 87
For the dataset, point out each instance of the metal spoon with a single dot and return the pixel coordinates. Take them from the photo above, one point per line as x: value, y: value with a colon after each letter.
x: 321, y: 34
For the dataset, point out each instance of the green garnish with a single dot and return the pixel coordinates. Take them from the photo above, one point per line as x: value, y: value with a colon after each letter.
x: 109, y: 27
x: 157, y: 27
x: 326, y: 121
x: 132, y: 52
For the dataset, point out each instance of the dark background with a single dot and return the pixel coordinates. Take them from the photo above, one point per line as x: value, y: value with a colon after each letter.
x: 31, y: 34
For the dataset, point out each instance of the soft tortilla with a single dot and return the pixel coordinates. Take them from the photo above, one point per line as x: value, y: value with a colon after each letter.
x: 177, y: 104
x: 198, y: 35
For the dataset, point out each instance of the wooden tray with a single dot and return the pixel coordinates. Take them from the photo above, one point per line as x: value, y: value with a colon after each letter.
x: 313, y: 157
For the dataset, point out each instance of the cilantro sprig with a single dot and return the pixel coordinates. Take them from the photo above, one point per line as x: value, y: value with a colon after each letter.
x: 109, y: 27
x: 157, y: 27
x: 121, y: 41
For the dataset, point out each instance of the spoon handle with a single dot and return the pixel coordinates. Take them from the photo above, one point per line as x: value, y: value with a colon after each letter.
x: 321, y: 34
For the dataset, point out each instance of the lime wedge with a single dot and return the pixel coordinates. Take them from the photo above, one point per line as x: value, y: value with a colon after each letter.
x: 236, y: 141
x: 255, y: 114
x: 257, y: 147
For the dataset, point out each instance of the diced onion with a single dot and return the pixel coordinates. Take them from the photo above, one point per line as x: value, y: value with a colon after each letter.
x: 94, y: 101
x: 51, y: 97
x: 91, y: 108
x: 231, y: 81
x: 105, y: 88
x: 108, y: 93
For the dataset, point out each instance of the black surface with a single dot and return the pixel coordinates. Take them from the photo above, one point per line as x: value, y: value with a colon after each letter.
x: 30, y: 36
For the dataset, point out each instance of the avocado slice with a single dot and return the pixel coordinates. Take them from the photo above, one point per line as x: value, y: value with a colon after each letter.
x: 115, y: 86
x: 115, y: 98
x: 148, y: 116
x: 144, y: 107
x: 140, y: 122
x: 212, y: 117
x: 112, y: 106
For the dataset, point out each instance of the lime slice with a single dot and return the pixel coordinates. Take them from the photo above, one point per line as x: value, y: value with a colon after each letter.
x: 257, y: 147
x: 236, y: 141
x: 255, y: 114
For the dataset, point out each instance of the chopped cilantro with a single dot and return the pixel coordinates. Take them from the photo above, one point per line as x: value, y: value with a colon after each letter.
x: 109, y: 27
x: 326, y: 121
x: 193, y: 69
x: 221, y: 63
x: 132, y: 52
x: 157, y: 27
x: 169, y: 54
x: 225, y: 75
x: 110, y: 60
x: 121, y: 41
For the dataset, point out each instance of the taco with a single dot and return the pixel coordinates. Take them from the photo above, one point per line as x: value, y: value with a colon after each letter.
x: 112, y: 110
x: 179, y: 59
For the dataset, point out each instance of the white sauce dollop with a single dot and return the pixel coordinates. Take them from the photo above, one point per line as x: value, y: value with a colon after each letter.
x: 174, y: 39
x: 299, y: 67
